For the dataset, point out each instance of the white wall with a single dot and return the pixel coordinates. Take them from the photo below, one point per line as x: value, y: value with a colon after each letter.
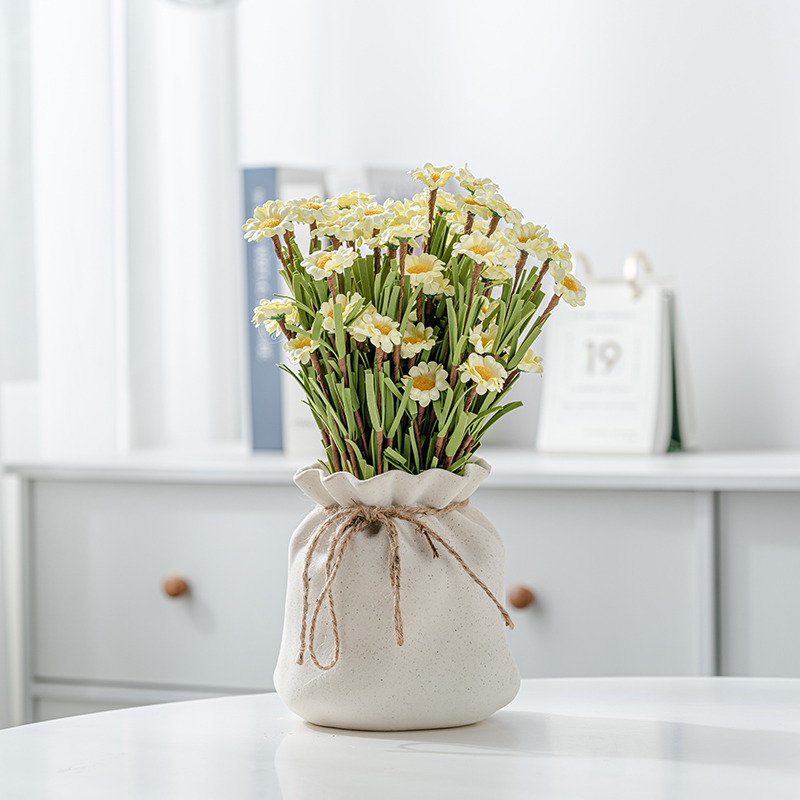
x: 670, y: 127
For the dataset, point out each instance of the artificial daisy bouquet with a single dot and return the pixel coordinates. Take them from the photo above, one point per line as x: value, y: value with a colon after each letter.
x: 410, y: 321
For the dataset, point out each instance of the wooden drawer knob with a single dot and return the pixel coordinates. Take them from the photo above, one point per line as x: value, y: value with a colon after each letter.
x: 521, y: 597
x: 175, y: 586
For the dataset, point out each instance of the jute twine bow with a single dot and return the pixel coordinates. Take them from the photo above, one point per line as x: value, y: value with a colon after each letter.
x: 349, y: 521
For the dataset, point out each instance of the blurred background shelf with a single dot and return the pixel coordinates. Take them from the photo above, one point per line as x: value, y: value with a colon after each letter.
x: 669, y: 565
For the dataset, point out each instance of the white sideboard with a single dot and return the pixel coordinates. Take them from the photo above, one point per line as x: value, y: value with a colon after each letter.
x: 683, y: 564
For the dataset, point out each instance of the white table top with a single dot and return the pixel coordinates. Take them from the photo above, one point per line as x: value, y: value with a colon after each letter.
x: 607, y: 738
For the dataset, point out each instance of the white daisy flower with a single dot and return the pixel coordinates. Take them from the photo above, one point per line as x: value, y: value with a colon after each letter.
x: 471, y: 183
x: 483, y: 340
x: 373, y: 217
x: 468, y: 204
x: 323, y: 263
x: 445, y: 202
x: 311, y: 210
x: 348, y: 303
x: 271, y: 219
x: 530, y: 363
x: 493, y: 200
x: 488, y: 374
x: 531, y: 239
x: 420, y: 268
x: 270, y: 312
x: 571, y: 289
x: 380, y: 330
x: 437, y: 285
x: 416, y: 339
x: 435, y: 177
x: 477, y: 247
x: 458, y: 222
x: 345, y: 201
x: 429, y: 380
x: 300, y: 349
x: 487, y: 306
x: 560, y: 261
x: 404, y: 229
x: 342, y: 226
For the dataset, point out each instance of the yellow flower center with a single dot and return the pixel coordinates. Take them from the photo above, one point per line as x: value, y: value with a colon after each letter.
x: 481, y: 249
x: 413, y: 340
x: 483, y: 372
x: 435, y: 176
x: 303, y: 341
x: 324, y: 259
x: 384, y: 328
x: 314, y: 206
x: 424, y: 384
x: 417, y: 269
x: 371, y: 212
x: 270, y: 222
x: 570, y: 284
x: 486, y: 340
x: 471, y: 201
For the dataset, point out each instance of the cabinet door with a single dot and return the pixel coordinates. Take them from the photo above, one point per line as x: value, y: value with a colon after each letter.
x: 760, y: 584
x: 615, y: 575
x: 100, y: 553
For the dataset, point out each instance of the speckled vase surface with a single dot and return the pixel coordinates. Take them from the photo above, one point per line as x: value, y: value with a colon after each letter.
x: 454, y: 666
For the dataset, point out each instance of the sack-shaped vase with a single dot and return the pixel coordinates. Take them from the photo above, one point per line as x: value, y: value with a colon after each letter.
x: 393, y: 610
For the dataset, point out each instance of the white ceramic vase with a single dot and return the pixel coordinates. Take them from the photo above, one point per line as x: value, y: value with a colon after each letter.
x: 454, y: 666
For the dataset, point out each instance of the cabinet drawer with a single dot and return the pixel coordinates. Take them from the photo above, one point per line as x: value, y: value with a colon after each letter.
x: 615, y: 579
x: 100, y: 552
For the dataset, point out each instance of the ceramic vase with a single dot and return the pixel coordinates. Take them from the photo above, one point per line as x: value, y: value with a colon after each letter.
x: 454, y: 666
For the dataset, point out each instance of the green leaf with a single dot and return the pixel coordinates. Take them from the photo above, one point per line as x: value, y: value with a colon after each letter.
x: 458, y: 434
x: 398, y: 417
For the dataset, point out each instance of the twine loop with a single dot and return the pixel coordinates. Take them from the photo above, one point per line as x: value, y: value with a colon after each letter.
x: 346, y: 522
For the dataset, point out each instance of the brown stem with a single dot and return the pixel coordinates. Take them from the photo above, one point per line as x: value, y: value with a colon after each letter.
x: 476, y: 271
x: 361, y: 430
x: 417, y: 436
x: 470, y: 398
x: 353, y: 459
x: 437, y: 453
x: 465, y: 445
x: 332, y: 286
x: 276, y: 243
x: 453, y: 376
x: 379, y: 451
x: 468, y: 224
x: 410, y: 362
x: 523, y: 257
x: 335, y: 242
x: 327, y: 440
x: 540, y: 277
x: 550, y: 306
x: 431, y: 207
x: 493, y: 225
x: 419, y: 309
x: 428, y: 310
x: 312, y: 229
x: 510, y: 378
x: 284, y: 330
x: 351, y: 245
x: 396, y: 354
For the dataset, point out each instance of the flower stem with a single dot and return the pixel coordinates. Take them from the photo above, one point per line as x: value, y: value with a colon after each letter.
x: 431, y: 208
x: 540, y: 277
x: 546, y: 313
x: 493, y: 225
x: 468, y: 224
x: 276, y: 243
x: 523, y: 257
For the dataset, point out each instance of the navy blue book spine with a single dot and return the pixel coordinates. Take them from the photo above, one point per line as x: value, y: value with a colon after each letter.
x: 260, y: 185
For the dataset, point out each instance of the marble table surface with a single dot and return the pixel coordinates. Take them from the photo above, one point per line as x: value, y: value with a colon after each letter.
x: 614, y: 738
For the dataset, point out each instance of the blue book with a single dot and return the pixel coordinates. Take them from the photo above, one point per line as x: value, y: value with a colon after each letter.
x: 260, y: 185
x: 274, y: 419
